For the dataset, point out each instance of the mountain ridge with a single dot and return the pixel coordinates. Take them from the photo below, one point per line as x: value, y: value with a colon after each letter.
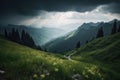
x: 40, y: 35
x: 82, y: 34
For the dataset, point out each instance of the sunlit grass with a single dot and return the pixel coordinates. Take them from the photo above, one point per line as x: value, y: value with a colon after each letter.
x: 21, y: 62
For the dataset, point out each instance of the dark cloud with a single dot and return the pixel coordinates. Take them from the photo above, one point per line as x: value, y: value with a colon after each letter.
x: 31, y: 7
x: 112, y: 8
x: 16, y: 11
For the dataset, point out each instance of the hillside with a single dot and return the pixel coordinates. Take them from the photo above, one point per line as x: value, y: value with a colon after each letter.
x: 105, y: 52
x: 40, y: 35
x: 84, y: 33
x: 106, y: 49
x: 94, y: 61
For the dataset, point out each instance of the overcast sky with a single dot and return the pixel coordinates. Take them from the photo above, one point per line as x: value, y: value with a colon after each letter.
x: 57, y: 13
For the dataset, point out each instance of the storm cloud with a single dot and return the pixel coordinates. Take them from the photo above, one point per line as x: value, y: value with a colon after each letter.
x: 32, y: 7
x: 57, y: 13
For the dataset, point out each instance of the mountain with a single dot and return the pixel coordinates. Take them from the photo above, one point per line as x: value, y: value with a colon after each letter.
x: 84, y: 33
x: 97, y: 60
x: 103, y: 49
x: 40, y: 35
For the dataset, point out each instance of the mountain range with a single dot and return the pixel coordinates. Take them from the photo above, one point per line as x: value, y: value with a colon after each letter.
x: 84, y: 33
x: 40, y: 35
x: 59, y: 40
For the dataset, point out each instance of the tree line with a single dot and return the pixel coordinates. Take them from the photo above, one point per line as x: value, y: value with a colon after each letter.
x: 24, y: 38
x: 100, y: 32
x: 114, y: 30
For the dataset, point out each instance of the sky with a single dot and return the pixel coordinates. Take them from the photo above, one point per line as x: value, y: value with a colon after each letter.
x: 64, y: 14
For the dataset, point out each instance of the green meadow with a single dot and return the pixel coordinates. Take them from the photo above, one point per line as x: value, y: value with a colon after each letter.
x: 97, y: 60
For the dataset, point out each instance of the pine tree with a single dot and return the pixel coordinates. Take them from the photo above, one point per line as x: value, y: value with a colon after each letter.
x: 6, y: 34
x: 11, y: 35
x: 32, y: 44
x: 114, y: 29
x: 86, y: 41
x: 100, y: 33
x: 45, y: 49
x: 27, y: 40
x: 119, y: 28
x: 17, y: 36
x: 38, y: 47
x: 23, y: 37
x: 78, y: 44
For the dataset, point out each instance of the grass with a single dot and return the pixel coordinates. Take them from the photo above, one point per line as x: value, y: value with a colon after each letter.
x: 103, y: 52
x: 96, y: 62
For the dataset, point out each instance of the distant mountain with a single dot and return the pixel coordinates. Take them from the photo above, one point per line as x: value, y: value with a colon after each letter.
x: 84, y: 33
x: 40, y: 35
x: 102, y: 49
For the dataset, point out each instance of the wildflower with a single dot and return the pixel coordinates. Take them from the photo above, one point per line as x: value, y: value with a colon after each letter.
x: 35, y: 76
x: 2, y: 72
x: 69, y: 66
x: 46, y: 72
x: 77, y: 77
x: 56, y: 69
x: 73, y: 69
x: 42, y: 75
x: 54, y: 63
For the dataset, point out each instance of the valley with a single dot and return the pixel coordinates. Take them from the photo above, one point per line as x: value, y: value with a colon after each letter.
x: 100, y: 61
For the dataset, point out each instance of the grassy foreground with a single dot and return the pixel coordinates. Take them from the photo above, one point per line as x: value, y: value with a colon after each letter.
x: 97, y: 60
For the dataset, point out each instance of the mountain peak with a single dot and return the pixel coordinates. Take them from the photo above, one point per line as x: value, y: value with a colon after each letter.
x: 112, y: 21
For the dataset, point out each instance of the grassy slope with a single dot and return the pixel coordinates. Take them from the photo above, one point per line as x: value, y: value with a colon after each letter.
x: 23, y: 63
x: 103, y: 52
x: 105, y: 49
x: 96, y: 62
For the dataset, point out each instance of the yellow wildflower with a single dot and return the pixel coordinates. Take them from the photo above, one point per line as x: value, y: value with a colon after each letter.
x: 35, y: 76
x: 42, y: 76
x: 56, y: 69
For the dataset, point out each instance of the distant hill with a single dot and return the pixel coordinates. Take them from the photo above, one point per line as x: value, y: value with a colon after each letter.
x: 105, y: 49
x: 40, y: 35
x: 85, y: 33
